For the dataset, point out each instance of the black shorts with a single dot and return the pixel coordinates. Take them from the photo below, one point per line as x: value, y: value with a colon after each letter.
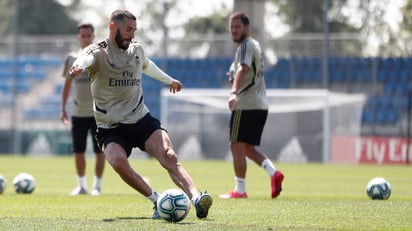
x: 129, y: 135
x: 247, y: 126
x: 80, y: 129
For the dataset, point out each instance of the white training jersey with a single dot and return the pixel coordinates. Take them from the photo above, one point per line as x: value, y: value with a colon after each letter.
x: 251, y: 94
x: 82, y: 105
x: 116, y: 83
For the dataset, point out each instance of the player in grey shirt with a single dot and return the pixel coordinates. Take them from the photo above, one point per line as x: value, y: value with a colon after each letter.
x: 249, y: 108
x: 82, y: 118
x: 115, y: 68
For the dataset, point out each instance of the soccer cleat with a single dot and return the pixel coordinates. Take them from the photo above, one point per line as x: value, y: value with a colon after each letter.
x: 78, y: 191
x: 202, y: 204
x: 233, y: 195
x: 96, y: 192
x: 276, y: 183
x: 156, y: 214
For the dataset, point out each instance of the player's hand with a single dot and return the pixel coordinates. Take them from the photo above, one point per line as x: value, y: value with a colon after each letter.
x: 64, y: 118
x: 75, y: 71
x: 175, y: 86
x: 232, y: 102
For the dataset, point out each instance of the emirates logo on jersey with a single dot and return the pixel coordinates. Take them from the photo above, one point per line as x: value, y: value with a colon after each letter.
x: 127, y: 79
x: 127, y: 74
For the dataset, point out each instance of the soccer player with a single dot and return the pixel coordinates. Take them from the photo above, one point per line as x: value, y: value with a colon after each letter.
x: 82, y: 119
x: 249, y: 108
x: 115, y: 67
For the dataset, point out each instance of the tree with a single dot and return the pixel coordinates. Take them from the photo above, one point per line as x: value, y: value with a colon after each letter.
x: 406, y: 23
x: 307, y: 17
x: 37, y: 17
x: 365, y: 17
x: 406, y: 27
x: 215, y: 23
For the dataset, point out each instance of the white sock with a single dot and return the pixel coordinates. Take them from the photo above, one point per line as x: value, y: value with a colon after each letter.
x: 97, y: 182
x: 240, y: 185
x: 81, y: 181
x: 194, y: 199
x: 153, y: 197
x: 194, y: 196
x: 269, y: 167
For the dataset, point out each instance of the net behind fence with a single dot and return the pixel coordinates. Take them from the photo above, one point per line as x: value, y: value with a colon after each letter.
x: 298, y: 129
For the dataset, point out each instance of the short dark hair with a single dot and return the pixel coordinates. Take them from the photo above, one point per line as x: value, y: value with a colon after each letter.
x: 120, y: 15
x: 85, y: 26
x: 242, y: 16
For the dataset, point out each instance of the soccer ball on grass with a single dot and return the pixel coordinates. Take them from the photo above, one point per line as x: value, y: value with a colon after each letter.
x: 3, y: 184
x: 378, y: 189
x: 24, y: 183
x: 173, y: 205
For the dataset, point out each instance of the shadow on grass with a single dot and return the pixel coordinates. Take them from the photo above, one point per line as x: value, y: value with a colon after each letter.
x: 143, y: 218
x: 125, y: 218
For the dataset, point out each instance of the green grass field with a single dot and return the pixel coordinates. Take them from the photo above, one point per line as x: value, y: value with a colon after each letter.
x: 314, y: 197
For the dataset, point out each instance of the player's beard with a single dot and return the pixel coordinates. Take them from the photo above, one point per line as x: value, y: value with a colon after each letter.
x: 240, y: 39
x: 120, y: 41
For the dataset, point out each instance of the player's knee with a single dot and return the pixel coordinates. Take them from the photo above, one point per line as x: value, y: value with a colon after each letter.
x: 117, y: 162
x: 170, y: 159
x: 171, y: 156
